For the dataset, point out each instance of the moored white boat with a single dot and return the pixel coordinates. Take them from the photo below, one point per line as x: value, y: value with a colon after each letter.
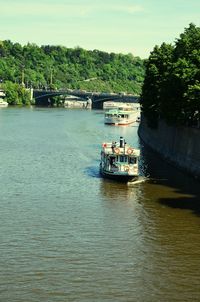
x: 3, y: 103
x: 121, y: 116
x: 76, y: 102
x: 119, y: 161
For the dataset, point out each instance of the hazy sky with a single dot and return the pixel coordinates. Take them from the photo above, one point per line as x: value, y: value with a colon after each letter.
x: 120, y: 26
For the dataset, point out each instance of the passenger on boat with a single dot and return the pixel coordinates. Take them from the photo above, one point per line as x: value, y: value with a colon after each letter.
x: 113, y: 146
x: 112, y: 160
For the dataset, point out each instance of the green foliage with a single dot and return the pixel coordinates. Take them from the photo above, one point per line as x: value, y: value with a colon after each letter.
x: 171, y: 87
x: 16, y: 94
x: 70, y: 68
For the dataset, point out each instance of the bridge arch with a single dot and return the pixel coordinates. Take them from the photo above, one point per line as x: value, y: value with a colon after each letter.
x: 42, y: 97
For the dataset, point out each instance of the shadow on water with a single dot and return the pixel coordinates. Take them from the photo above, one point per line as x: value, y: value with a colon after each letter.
x: 186, y: 189
x: 92, y: 171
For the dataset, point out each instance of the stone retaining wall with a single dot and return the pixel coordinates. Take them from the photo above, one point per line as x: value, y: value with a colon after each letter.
x: 178, y: 145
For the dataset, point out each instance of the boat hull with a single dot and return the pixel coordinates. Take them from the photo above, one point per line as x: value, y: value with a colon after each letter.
x: 118, y: 177
x: 119, y: 123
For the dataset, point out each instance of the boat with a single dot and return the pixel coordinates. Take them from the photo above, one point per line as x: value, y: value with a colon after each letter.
x: 121, y: 116
x: 3, y: 103
x: 119, y: 161
x: 72, y: 101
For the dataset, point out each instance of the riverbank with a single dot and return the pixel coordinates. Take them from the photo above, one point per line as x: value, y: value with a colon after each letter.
x: 178, y: 145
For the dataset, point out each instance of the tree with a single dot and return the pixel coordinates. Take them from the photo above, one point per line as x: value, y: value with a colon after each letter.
x: 158, y: 68
x: 70, y: 68
x: 171, y: 84
x: 16, y: 94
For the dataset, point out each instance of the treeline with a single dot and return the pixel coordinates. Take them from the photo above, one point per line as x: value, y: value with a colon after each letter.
x: 61, y: 67
x: 17, y: 94
x: 171, y: 89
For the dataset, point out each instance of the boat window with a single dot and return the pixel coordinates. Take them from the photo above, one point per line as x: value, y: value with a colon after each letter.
x: 112, y: 160
x: 123, y: 158
x: 132, y: 160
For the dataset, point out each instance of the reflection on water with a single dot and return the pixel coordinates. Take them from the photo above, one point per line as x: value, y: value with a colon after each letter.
x: 171, y: 186
x: 120, y: 192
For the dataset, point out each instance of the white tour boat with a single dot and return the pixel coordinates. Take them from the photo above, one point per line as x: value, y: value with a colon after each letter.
x: 121, y: 116
x: 119, y: 161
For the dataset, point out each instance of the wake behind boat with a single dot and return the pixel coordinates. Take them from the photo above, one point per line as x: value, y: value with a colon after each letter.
x: 119, y: 161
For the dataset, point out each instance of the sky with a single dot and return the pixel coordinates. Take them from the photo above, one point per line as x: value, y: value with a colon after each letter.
x: 119, y: 26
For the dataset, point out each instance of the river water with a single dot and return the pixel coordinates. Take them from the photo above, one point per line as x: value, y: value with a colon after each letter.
x: 69, y: 235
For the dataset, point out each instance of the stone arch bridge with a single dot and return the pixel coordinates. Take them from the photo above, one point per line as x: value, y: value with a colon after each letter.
x: 98, y: 98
